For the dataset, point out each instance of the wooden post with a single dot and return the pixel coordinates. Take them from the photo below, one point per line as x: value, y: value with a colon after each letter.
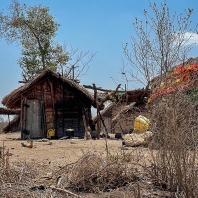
x: 63, y: 107
x: 104, y: 125
x: 9, y: 122
x: 43, y: 112
x: 72, y: 69
x: 3, y: 154
x: 53, y: 100
x: 98, y: 118
x: 23, y: 118
x: 121, y: 129
x: 87, y: 135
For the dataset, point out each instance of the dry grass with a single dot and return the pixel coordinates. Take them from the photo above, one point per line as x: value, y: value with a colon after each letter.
x: 174, y: 124
x: 91, y: 174
x: 137, y: 172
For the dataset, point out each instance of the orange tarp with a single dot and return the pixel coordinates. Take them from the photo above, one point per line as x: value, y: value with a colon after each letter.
x: 179, y: 78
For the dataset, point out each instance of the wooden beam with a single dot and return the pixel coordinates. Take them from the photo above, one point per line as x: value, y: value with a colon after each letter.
x: 5, y: 111
x: 104, y: 90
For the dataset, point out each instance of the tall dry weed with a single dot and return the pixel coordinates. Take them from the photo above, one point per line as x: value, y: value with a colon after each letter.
x: 174, y: 124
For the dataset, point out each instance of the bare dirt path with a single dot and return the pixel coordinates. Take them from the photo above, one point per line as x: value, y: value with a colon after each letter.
x: 60, y: 152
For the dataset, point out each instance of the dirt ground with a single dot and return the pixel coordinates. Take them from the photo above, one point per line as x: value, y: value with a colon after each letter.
x: 60, y: 152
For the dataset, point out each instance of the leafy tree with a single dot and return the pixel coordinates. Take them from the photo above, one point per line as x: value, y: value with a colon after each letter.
x: 34, y: 28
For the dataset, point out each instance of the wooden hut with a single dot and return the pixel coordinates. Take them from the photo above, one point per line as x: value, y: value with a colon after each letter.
x: 131, y: 105
x: 11, y: 125
x: 120, y: 114
x: 51, y: 102
x: 124, y: 114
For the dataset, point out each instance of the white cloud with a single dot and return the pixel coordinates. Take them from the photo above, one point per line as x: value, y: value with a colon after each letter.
x: 191, y: 38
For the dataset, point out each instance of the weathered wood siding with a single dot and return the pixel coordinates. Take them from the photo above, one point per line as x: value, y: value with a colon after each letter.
x: 63, y: 107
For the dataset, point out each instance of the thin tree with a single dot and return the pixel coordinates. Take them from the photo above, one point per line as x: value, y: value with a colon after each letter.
x: 160, y: 43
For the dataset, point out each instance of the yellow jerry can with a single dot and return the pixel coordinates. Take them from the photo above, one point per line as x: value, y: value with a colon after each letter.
x: 50, y: 133
x: 141, y: 124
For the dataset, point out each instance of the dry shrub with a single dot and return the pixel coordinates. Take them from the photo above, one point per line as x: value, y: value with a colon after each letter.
x: 3, y: 123
x: 94, y: 174
x: 9, y: 180
x: 125, y: 157
x: 91, y: 173
x: 122, y: 192
x: 17, y: 180
x: 7, y: 173
x: 174, y: 124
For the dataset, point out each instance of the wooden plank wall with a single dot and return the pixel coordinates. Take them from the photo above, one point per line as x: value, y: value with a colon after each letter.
x: 62, y: 106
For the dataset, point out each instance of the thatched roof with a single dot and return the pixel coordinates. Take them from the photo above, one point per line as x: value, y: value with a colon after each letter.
x: 107, y: 112
x: 11, y: 99
x: 4, y: 111
x: 13, y: 125
x: 124, y: 110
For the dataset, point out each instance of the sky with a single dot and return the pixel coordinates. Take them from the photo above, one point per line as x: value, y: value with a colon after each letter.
x: 98, y: 26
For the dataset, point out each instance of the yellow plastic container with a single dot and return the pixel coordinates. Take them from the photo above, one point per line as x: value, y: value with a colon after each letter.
x: 50, y: 133
x: 141, y: 124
